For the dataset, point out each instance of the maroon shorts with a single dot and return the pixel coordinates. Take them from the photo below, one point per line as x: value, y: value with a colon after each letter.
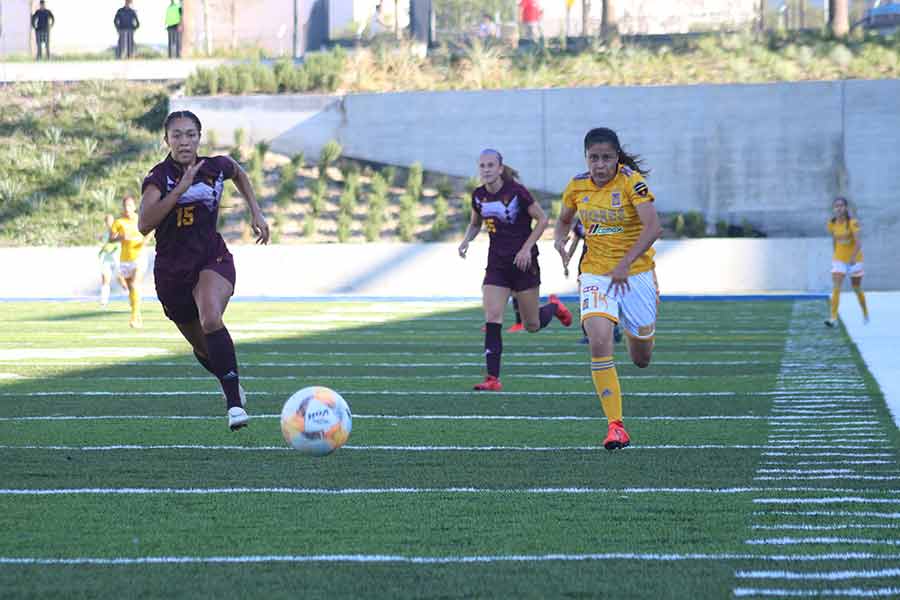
x: 508, y: 275
x: 177, y: 294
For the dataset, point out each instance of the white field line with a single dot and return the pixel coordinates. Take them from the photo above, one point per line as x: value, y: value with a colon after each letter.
x: 845, y: 454
x: 830, y: 513
x: 818, y: 593
x: 821, y: 576
x: 394, y: 490
x: 396, y: 448
x: 787, y: 541
x: 831, y: 462
x: 839, y: 500
x: 833, y: 527
x: 480, y: 395
x: 829, y: 478
x: 382, y: 417
x: 806, y: 471
x: 389, y: 558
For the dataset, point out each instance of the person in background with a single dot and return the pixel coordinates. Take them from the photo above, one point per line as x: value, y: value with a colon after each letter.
x: 847, y: 258
x: 41, y: 21
x: 530, y: 16
x: 488, y: 30
x: 131, y: 260
x: 174, y: 28
x: 126, y: 22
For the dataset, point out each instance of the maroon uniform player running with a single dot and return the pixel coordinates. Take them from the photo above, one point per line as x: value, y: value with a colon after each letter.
x: 194, y: 271
x: 507, y: 210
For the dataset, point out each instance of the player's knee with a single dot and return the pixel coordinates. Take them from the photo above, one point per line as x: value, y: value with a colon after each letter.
x: 211, y: 323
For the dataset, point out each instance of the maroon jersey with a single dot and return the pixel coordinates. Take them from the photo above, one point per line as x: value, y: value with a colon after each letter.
x: 187, y: 239
x: 506, y: 218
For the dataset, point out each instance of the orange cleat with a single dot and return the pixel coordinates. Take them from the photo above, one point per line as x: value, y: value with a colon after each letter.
x: 616, y: 436
x: 562, y: 313
x: 490, y: 384
x: 516, y: 327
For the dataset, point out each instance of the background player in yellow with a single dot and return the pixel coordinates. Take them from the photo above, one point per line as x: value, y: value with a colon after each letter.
x: 125, y: 230
x: 617, y: 281
x: 847, y: 257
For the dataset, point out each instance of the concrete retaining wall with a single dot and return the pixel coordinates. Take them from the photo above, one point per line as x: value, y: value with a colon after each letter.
x: 774, y: 154
x: 707, y: 266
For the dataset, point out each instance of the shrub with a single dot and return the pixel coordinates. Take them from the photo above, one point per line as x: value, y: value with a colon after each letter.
x: 330, y: 152
x: 372, y: 227
x: 298, y: 160
x: 440, y: 224
x: 444, y: 187
x: 309, y: 225
x: 347, y: 202
x: 414, y: 180
x: 390, y: 173
x: 407, y: 221
x: 694, y: 224
x: 344, y: 223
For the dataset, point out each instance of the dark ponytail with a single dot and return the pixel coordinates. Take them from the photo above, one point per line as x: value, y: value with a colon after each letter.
x: 605, y: 135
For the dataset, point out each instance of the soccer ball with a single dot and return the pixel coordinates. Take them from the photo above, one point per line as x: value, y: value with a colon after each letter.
x: 316, y: 421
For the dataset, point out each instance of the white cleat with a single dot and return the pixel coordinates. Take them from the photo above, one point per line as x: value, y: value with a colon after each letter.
x: 237, y: 418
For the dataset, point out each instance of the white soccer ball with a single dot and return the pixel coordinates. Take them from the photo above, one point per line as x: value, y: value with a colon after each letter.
x: 316, y: 421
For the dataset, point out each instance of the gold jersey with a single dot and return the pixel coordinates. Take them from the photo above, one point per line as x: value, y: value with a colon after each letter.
x: 610, y: 219
x: 132, y: 240
x: 844, y: 234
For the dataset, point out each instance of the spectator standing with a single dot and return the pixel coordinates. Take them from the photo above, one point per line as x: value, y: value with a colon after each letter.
x: 41, y: 21
x: 488, y: 29
x: 126, y: 22
x: 530, y: 14
x: 174, y: 28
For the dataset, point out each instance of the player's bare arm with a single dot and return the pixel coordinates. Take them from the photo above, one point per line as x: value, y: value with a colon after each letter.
x: 522, y: 259
x: 562, y: 229
x: 257, y: 220
x: 472, y: 230
x: 155, y: 206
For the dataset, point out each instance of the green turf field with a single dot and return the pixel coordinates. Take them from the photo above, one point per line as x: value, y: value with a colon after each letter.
x: 764, y: 462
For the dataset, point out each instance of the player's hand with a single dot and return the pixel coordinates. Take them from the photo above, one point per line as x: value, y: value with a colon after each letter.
x: 618, y: 284
x: 522, y: 259
x: 187, y: 180
x: 560, y: 246
x: 463, y: 248
x: 260, y: 228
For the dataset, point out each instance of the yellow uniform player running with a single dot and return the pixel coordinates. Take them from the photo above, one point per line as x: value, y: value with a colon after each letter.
x: 617, y: 281
x: 125, y: 230
x: 847, y: 257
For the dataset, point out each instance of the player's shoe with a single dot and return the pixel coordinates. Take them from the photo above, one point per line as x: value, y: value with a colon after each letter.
x: 237, y: 418
x: 616, y: 436
x: 490, y: 384
x: 515, y: 327
x: 562, y: 313
x: 617, y: 333
x: 865, y: 319
x: 584, y: 340
x: 830, y: 322
x: 136, y: 323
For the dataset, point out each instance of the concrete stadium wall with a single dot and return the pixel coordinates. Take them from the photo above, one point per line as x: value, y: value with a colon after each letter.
x: 705, y: 266
x: 773, y: 154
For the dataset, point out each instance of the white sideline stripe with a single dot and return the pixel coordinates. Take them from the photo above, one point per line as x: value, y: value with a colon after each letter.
x: 821, y: 576
x: 786, y: 541
x: 832, y: 462
x: 802, y: 527
x: 830, y: 513
x: 806, y: 471
x: 849, y: 592
x: 388, y: 558
x: 845, y: 500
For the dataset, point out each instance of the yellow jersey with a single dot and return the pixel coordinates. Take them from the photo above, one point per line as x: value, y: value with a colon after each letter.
x: 844, y: 234
x: 610, y: 219
x: 132, y: 240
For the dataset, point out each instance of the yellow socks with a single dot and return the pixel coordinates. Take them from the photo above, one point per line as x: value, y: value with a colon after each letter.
x: 835, y: 301
x: 606, y: 382
x: 134, y: 298
x: 862, y: 301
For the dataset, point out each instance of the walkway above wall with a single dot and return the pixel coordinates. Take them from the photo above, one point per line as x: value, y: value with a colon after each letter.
x: 132, y: 70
